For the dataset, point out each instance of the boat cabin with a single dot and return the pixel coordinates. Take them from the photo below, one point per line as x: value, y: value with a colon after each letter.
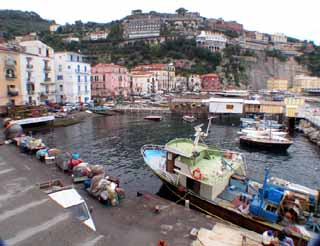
x: 203, y: 170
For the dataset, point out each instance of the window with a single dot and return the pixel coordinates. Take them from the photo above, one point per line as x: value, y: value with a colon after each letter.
x: 78, y: 68
x: 85, y: 69
x: 69, y: 67
x: 78, y: 89
x: 229, y: 107
x: 71, y: 57
x: 78, y: 58
x: 60, y: 77
x: 85, y: 78
x: 60, y: 68
x: 47, y: 89
x: 61, y: 87
x: 39, y: 51
x: 79, y: 78
x: 10, y: 74
x: 86, y: 88
x: 104, y: 78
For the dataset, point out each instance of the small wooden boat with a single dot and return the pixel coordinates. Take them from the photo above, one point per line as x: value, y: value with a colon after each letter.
x: 153, y: 117
x: 189, y: 118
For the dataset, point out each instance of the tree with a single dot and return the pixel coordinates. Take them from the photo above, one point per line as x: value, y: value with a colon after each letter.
x: 181, y: 11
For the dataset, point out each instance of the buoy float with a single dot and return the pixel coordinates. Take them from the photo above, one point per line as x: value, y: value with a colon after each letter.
x: 196, y: 174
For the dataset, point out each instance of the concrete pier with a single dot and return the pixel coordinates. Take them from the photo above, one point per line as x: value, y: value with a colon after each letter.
x: 29, y: 217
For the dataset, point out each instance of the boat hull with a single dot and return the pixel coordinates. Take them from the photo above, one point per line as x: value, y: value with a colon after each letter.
x: 229, y: 215
x: 271, y: 146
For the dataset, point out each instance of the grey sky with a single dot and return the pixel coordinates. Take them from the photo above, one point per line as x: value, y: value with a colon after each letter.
x: 294, y: 18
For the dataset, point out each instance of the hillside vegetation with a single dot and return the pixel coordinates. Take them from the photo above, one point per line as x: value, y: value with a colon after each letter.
x: 16, y: 22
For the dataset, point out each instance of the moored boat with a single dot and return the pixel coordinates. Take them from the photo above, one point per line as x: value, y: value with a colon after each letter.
x: 267, y: 142
x: 153, y: 117
x: 215, y: 182
x: 189, y: 118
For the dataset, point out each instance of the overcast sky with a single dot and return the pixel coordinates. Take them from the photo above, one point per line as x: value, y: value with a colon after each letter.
x: 296, y: 18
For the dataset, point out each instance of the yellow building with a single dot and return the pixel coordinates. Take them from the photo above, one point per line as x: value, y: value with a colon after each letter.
x: 10, y: 79
x: 277, y: 84
x: 302, y: 82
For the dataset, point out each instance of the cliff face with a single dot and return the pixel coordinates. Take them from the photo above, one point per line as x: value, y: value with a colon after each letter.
x: 262, y: 68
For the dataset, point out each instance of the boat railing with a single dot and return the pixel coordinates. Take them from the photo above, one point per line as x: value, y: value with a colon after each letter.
x: 150, y: 146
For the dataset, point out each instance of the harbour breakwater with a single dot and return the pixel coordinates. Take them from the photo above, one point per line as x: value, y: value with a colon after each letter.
x: 311, y: 131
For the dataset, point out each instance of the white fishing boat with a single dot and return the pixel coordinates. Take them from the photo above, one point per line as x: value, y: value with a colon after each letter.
x: 189, y: 118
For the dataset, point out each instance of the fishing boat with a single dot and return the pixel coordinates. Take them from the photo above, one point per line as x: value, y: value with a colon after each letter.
x: 153, y: 117
x: 189, y: 118
x: 215, y: 182
x: 103, y: 110
x: 261, y: 132
x: 268, y: 142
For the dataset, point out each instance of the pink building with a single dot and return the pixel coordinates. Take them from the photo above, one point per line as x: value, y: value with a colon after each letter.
x: 210, y: 82
x: 109, y: 80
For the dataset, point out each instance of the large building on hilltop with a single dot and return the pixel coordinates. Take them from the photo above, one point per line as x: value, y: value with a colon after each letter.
x: 73, y: 77
x: 213, y: 41
x: 109, y: 80
x: 141, y: 25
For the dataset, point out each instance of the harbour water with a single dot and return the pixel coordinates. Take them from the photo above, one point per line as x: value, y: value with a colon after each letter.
x: 115, y: 141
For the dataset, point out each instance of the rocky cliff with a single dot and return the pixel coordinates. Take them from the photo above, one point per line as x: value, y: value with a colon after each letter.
x: 262, y: 68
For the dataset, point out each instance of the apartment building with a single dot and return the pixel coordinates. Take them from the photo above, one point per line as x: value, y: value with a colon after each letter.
x: 277, y: 84
x: 109, y: 80
x: 73, y: 77
x: 37, y: 72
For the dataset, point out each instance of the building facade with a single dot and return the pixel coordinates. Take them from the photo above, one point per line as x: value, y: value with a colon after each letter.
x: 73, y: 78
x: 304, y: 82
x: 213, y: 41
x: 109, y: 80
x: 142, y: 26
x: 164, y: 75
x: 10, y: 79
x: 143, y: 82
x: 278, y: 38
x: 277, y: 84
x: 210, y: 82
x: 37, y: 72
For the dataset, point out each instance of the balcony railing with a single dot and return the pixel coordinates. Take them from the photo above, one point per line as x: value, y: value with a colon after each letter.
x: 30, y: 92
x: 47, y: 79
x: 12, y: 92
x: 29, y: 66
x: 10, y: 76
x: 47, y: 68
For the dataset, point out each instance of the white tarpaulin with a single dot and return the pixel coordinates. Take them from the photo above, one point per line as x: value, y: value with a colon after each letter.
x: 67, y: 198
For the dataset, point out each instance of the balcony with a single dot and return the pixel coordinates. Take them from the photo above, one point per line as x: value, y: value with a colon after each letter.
x: 12, y: 92
x: 47, y: 68
x: 30, y: 92
x: 10, y: 77
x: 29, y: 66
x: 10, y: 63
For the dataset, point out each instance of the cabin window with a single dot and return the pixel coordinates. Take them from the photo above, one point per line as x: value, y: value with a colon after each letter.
x: 169, y: 156
x: 229, y: 107
x: 271, y: 208
x: 193, y: 185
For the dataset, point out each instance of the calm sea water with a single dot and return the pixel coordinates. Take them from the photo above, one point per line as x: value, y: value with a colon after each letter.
x: 115, y: 141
